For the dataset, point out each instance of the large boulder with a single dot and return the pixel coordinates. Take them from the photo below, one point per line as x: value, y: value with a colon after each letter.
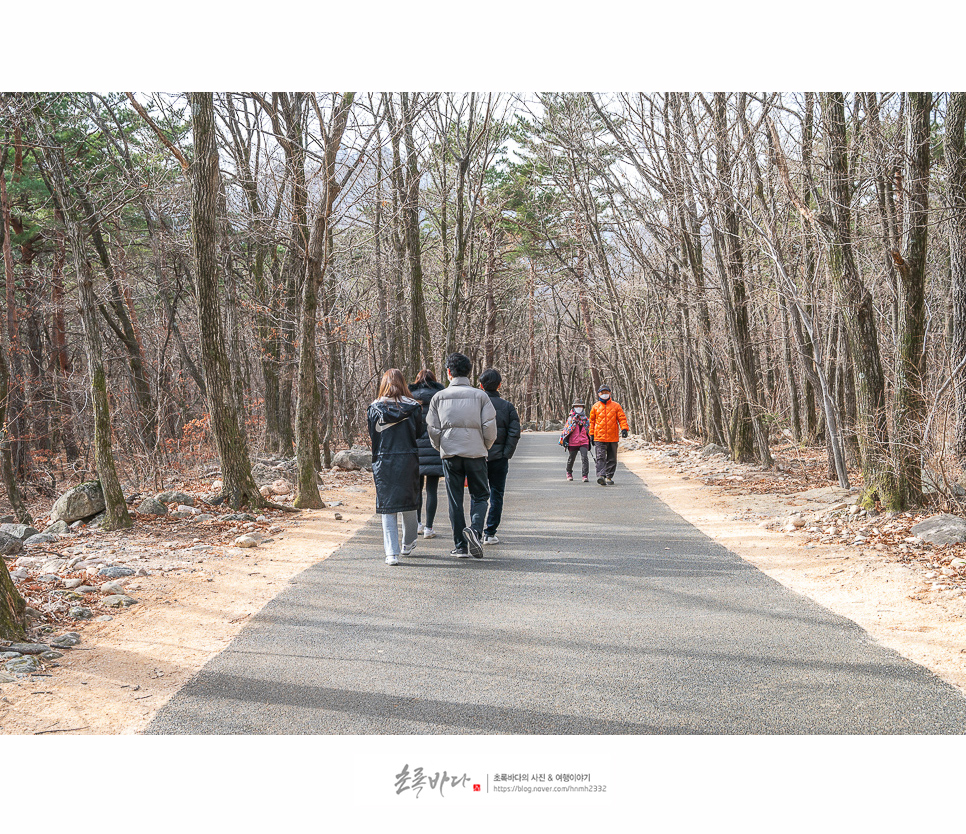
x: 58, y: 527
x: 175, y: 497
x: 21, y: 531
x: 80, y: 502
x: 9, y: 545
x: 942, y: 529
x: 151, y: 506
x: 713, y: 449
x: 353, y: 459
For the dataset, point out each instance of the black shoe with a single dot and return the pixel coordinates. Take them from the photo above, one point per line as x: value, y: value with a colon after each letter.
x: 601, y: 481
x: 459, y: 553
x: 473, y: 543
x: 610, y: 482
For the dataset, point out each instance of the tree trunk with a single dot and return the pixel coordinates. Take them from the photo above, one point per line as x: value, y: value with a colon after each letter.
x: 955, y: 148
x: 911, y: 407
x: 236, y: 469
x: 858, y: 313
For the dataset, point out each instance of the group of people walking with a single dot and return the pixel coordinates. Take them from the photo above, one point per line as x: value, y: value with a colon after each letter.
x: 600, y: 430
x: 425, y: 432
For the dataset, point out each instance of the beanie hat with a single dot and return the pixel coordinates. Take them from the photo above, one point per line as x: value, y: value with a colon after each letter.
x: 603, y: 388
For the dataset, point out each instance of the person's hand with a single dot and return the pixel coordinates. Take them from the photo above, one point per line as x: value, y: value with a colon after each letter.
x: 623, y: 432
x: 591, y: 443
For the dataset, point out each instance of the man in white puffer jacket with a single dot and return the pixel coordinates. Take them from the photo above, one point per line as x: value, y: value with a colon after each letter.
x: 461, y: 424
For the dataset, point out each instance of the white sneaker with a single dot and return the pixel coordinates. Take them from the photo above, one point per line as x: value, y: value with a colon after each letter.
x: 419, y: 527
x: 490, y: 539
x: 408, y: 548
x: 429, y: 533
x: 392, y: 560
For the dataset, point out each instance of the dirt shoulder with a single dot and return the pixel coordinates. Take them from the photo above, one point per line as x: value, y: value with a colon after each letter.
x: 886, y: 584
x: 189, y: 609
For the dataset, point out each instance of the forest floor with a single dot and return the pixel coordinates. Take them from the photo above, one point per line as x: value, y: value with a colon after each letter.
x: 196, y: 591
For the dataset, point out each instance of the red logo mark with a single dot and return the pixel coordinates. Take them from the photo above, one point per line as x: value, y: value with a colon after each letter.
x: 476, y: 787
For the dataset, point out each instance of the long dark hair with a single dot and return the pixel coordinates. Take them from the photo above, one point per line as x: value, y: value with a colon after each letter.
x: 393, y: 385
x: 424, y: 376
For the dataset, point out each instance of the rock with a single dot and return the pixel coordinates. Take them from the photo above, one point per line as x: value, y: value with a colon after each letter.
x: 57, y: 528
x: 85, y: 589
x: 353, y: 459
x: 942, y: 529
x: 48, y: 578
x: 70, y: 584
x: 21, y: 531
x: 338, y: 516
x: 115, y: 571
x: 41, y: 538
x: 181, y: 515
x: 354, y: 489
x: 9, y: 545
x: 8, y: 519
x: 264, y: 475
x: 334, y: 504
x: 33, y: 613
x: 282, y: 487
x: 116, y: 587
x: 119, y: 601
x: 80, y: 502
x: 238, y: 517
x: 66, y: 640
x: 9, y: 655
x: 713, y: 449
x: 28, y: 648
x: 266, y: 491
x: 151, y: 506
x: 23, y: 665
x: 204, y: 517
x: 216, y: 486
x: 53, y: 565
x: 246, y: 541
x: 50, y: 655
x: 97, y: 520
x: 796, y: 521
x: 552, y: 425
x: 79, y: 612
x: 5, y: 678
x: 78, y: 525
x: 175, y: 497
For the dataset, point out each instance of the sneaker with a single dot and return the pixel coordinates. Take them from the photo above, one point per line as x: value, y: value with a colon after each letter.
x: 602, y: 482
x: 610, y: 482
x: 585, y: 479
x: 419, y: 527
x: 459, y: 554
x: 490, y: 539
x: 473, y: 543
x: 408, y: 548
x: 429, y: 533
x: 570, y: 477
x: 392, y: 560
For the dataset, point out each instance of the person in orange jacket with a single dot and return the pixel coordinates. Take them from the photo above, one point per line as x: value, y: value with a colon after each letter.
x: 607, y: 424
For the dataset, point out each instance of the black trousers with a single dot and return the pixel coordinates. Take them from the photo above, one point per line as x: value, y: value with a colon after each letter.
x: 572, y: 456
x: 496, y: 472
x: 606, y: 459
x: 431, y: 485
x: 472, y: 471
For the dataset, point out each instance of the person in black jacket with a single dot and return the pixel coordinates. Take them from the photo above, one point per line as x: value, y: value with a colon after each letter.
x: 395, y: 424
x: 498, y: 458
x: 430, y: 463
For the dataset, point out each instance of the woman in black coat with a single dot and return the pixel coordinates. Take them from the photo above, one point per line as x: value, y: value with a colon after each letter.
x: 430, y: 463
x: 395, y: 424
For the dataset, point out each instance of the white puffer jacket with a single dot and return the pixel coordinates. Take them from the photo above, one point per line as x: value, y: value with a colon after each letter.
x: 461, y: 421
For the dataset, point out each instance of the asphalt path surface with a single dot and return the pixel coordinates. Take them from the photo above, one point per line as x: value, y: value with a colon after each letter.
x: 601, y: 612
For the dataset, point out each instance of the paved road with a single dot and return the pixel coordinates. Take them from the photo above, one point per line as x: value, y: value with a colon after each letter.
x: 603, y: 612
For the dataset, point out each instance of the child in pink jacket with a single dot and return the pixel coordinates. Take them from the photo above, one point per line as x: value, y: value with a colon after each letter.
x: 575, y: 437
